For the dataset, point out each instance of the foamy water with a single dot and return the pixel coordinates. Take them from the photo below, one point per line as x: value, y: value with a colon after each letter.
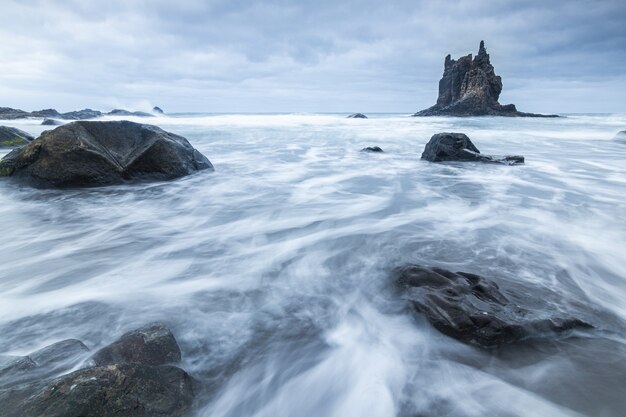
x: 273, y: 270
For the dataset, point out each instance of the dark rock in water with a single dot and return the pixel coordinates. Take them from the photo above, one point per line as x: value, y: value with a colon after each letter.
x: 473, y: 309
x: 11, y: 137
x: 357, y: 116
x: 125, y: 390
x: 51, y: 122
x: 99, y: 153
x: 158, y: 110
x: 470, y: 87
x: 621, y: 135
x: 82, y: 114
x: 153, y: 344
x: 458, y: 147
x: 121, y: 112
x: 372, y: 149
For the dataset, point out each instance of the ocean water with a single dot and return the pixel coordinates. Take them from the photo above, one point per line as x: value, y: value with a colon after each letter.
x: 273, y: 271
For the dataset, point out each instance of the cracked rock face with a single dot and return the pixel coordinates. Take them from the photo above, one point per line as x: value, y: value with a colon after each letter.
x: 474, y: 310
x: 100, y: 153
x: 470, y: 87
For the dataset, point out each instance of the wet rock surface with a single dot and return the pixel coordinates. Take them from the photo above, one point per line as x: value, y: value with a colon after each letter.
x: 51, y: 122
x: 11, y: 137
x: 458, y: 147
x: 474, y: 310
x: 153, y: 344
x: 470, y: 87
x: 100, y: 153
x: 129, y: 379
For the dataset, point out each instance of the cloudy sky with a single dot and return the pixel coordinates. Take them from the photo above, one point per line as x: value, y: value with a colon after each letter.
x: 305, y: 56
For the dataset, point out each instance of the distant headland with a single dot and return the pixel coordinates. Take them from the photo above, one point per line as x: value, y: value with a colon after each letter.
x: 470, y: 87
x: 8, y: 113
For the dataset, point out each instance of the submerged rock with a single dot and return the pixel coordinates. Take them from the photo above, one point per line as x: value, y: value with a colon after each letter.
x: 474, y: 310
x: 357, y: 116
x: 470, y: 87
x: 11, y: 137
x: 100, y: 153
x: 376, y: 149
x: 621, y: 135
x: 51, y: 122
x: 153, y: 344
x: 458, y: 147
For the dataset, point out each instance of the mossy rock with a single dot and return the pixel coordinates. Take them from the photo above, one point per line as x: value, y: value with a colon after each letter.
x: 11, y: 137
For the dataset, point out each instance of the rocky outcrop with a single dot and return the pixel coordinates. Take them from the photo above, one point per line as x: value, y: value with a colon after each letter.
x: 11, y: 137
x: 458, y: 147
x: 157, y: 110
x: 126, y: 384
x: 8, y: 113
x: 470, y: 87
x: 621, y: 135
x: 357, y: 116
x: 374, y: 149
x: 99, y: 153
x: 122, y: 112
x: 82, y: 114
x: 474, y: 310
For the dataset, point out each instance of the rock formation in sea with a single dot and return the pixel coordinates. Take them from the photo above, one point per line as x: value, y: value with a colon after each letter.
x: 357, y: 116
x: 8, y: 113
x: 11, y: 137
x: 157, y: 110
x: 88, y: 153
x: 475, y: 310
x: 470, y: 87
x: 51, y: 122
x: 134, y: 376
x: 458, y: 147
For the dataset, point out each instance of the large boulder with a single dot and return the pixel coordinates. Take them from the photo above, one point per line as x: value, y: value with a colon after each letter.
x: 99, y: 153
x: 474, y: 310
x: 470, y: 87
x: 153, y: 344
x: 458, y: 147
x: 11, y: 137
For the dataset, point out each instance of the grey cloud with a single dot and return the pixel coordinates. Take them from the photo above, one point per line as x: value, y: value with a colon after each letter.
x: 280, y: 55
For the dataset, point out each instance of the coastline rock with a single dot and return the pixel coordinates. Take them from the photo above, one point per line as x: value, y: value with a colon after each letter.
x: 88, y: 153
x: 621, y: 135
x: 82, y: 114
x: 157, y: 110
x: 357, y: 116
x: 474, y: 310
x: 121, y: 112
x: 7, y: 113
x: 51, y: 122
x: 376, y: 149
x: 10, y: 365
x: 45, y: 113
x: 153, y: 344
x: 11, y: 137
x: 470, y: 87
x: 458, y: 147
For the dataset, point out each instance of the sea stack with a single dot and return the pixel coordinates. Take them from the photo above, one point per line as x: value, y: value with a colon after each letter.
x: 470, y: 87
